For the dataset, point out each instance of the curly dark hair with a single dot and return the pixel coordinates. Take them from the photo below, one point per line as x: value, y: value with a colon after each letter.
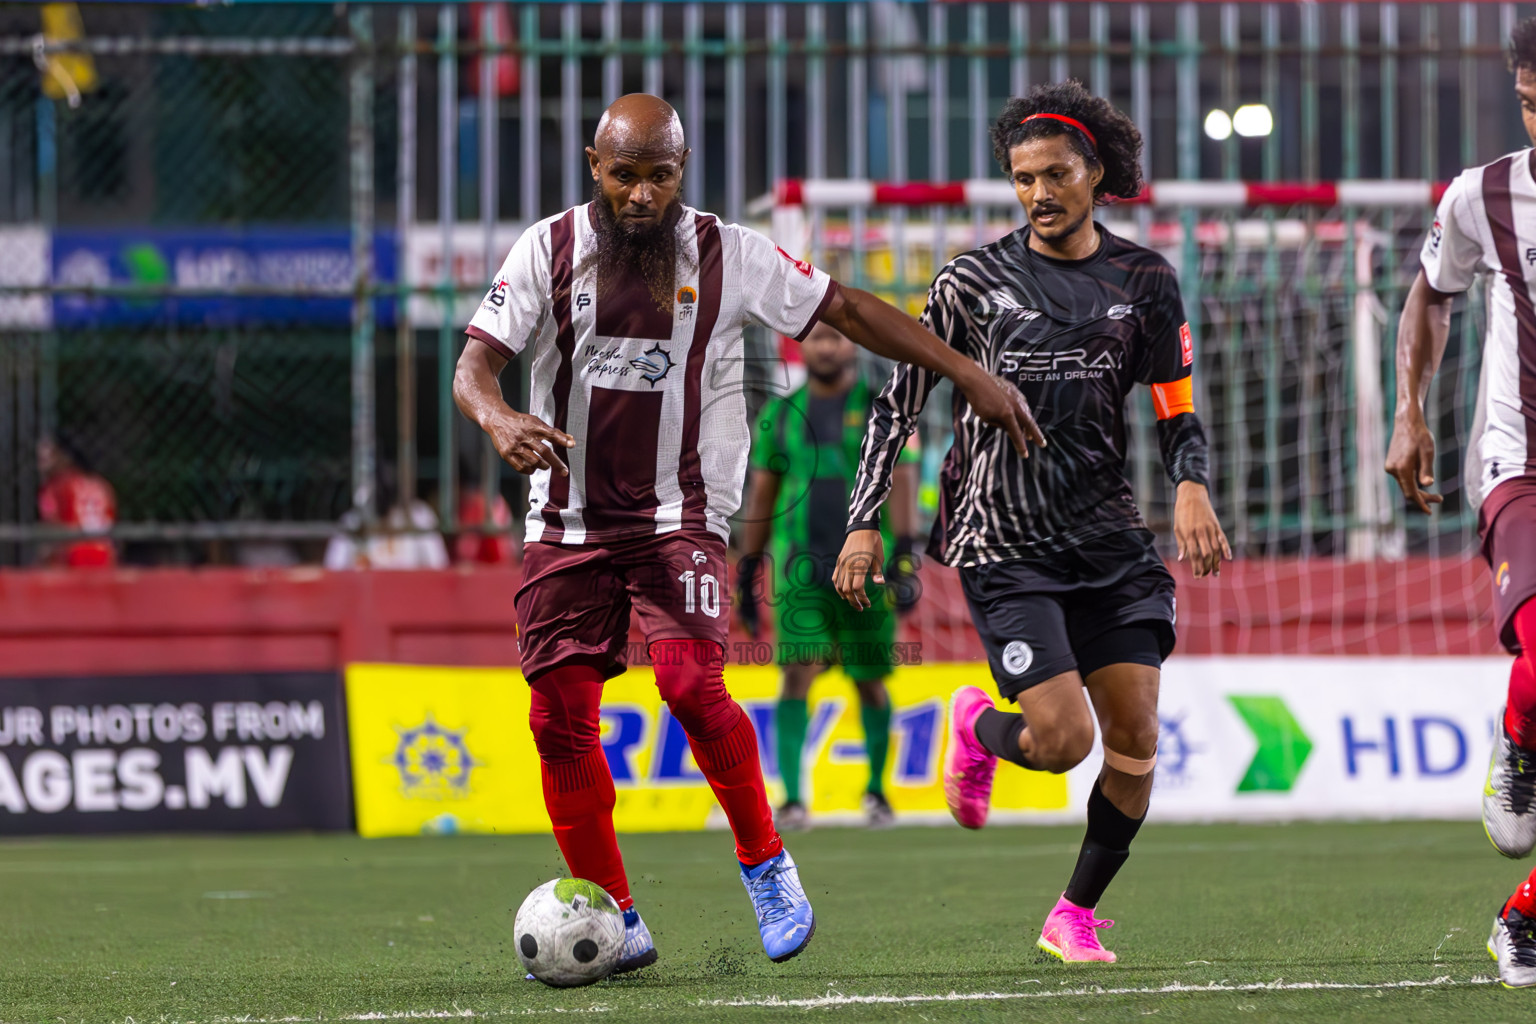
x: 1118, y: 148
x: 1522, y: 46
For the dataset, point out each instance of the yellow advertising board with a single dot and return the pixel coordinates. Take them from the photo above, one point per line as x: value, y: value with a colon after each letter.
x: 439, y: 750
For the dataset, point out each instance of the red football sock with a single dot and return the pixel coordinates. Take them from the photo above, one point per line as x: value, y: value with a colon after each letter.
x: 579, y: 797
x: 1524, y: 899
x: 578, y: 787
x: 730, y: 764
x: 690, y: 674
x: 1520, y: 710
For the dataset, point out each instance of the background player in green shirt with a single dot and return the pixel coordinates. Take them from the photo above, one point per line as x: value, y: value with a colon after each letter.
x: 805, y: 454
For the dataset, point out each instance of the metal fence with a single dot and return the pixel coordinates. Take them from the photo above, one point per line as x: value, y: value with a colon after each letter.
x: 227, y: 235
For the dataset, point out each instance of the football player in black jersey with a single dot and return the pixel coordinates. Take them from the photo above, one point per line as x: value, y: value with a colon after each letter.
x: 1064, y: 584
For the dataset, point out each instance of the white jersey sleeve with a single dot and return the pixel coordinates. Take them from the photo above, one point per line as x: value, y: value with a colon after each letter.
x: 1453, y: 251
x: 778, y: 291
x: 514, y: 310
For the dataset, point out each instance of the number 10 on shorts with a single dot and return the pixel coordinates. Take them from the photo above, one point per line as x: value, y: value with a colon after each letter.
x: 700, y: 593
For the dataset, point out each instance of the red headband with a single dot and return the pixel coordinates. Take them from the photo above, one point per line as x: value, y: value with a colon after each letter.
x: 1064, y: 119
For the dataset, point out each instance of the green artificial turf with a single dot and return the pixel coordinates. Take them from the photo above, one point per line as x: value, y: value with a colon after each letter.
x: 309, y: 928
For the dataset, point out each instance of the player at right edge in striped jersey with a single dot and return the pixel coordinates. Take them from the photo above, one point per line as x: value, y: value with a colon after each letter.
x: 1486, y: 221
x: 1058, y: 567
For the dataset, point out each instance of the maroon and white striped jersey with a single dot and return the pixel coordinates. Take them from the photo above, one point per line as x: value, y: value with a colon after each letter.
x: 654, y: 398
x: 1486, y: 221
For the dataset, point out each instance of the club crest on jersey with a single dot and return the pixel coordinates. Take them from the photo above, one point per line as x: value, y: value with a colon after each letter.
x: 653, y: 364
x: 1436, y: 234
x: 803, y: 266
x: 686, y: 296
x: 1186, y: 343
x: 1501, y: 578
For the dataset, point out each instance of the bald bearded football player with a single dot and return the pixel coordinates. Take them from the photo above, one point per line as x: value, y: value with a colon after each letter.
x: 630, y: 309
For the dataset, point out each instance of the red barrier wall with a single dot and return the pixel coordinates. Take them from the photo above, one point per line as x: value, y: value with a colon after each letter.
x: 126, y: 621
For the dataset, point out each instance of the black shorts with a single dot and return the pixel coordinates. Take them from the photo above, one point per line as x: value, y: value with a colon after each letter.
x: 1040, y: 617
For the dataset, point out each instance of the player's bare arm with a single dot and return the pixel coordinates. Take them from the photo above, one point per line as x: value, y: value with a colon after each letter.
x: 902, y: 507
x: 863, y: 554
x: 756, y: 531
x: 886, y: 331
x: 1421, y: 336
x: 524, y: 442
x: 862, y: 558
x: 1198, y: 532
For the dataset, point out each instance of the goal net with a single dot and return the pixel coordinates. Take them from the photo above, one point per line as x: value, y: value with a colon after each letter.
x: 1293, y: 293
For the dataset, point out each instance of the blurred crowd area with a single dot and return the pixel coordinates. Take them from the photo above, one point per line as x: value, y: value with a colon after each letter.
x: 410, y: 534
x: 238, y: 244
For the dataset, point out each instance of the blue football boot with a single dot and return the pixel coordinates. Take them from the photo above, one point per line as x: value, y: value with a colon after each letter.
x: 639, y: 950
x: 783, y: 913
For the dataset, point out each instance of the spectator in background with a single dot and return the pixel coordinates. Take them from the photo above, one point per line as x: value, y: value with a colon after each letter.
x: 805, y: 453
x: 473, y: 545
x: 73, y: 497
x: 406, y: 536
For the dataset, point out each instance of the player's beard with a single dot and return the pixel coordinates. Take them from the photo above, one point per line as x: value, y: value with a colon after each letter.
x: 828, y: 374
x: 1057, y: 232
x: 622, y: 246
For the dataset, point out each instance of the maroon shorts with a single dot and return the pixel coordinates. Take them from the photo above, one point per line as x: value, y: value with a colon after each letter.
x: 1507, y: 526
x: 573, y: 606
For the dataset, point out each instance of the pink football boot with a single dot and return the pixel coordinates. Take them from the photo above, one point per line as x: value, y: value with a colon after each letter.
x: 968, y: 766
x: 1071, y: 934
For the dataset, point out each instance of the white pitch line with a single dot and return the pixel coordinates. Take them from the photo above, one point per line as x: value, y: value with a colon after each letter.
x: 838, y: 999
x: 835, y: 999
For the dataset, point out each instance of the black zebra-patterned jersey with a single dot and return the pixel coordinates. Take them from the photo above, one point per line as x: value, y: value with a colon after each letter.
x: 1075, y: 336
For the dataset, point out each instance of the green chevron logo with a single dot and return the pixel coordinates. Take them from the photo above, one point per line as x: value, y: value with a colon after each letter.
x: 1283, y: 746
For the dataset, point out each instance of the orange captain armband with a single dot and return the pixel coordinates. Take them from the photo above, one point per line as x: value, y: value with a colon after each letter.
x: 1174, y: 398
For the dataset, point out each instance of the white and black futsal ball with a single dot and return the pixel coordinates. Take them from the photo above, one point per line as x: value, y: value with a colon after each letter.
x: 569, y: 932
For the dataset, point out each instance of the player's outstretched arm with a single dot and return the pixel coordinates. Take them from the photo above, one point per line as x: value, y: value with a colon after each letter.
x: 1421, y: 336
x: 886, y: 331
x: 524, y: 442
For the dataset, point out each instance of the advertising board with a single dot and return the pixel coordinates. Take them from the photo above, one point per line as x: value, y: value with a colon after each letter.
x: 448, y: 750
x: 167, y: 753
